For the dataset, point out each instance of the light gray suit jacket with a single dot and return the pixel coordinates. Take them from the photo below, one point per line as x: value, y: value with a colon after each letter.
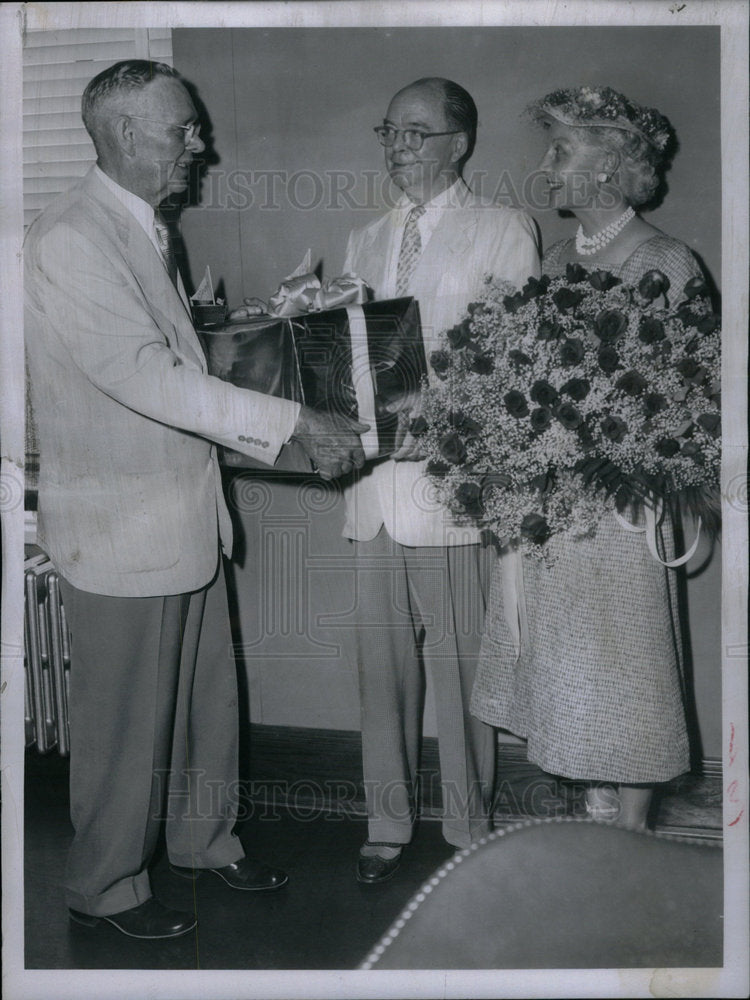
x: 471, y: 240
x: 130, y: 498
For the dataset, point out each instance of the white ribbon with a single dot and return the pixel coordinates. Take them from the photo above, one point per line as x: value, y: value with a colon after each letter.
x: 364, y: 388
x: 653, y: 516
x: 514, y: 598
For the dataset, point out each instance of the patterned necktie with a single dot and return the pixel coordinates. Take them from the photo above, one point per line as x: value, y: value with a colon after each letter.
x: 165, y: 245
x: 411, y: 250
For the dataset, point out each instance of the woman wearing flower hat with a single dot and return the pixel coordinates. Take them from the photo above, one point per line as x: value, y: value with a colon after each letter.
x: 597, y: 689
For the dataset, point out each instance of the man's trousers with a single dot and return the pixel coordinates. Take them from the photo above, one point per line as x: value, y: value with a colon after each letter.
x: 154, y: 737
x: 422, y: 608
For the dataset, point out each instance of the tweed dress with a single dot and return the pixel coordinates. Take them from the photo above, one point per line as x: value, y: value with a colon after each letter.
x: 598, y: 690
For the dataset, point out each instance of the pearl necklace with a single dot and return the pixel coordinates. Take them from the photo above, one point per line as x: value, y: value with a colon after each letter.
x: 589, y: 245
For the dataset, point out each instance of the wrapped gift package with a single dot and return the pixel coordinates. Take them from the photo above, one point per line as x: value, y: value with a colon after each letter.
x: 356, y: 360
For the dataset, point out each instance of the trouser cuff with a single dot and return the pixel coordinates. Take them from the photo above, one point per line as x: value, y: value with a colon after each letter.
x: 124, y: 895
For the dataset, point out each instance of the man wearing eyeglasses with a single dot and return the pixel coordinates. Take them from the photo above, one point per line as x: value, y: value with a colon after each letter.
x: 421, y: 579
x: 132, y: 514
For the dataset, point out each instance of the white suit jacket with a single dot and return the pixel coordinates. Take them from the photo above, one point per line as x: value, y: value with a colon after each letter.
x: 130, y: 497
x: 472, y: 239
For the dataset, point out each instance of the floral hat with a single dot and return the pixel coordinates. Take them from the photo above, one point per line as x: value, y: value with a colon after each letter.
x: 604, y: 107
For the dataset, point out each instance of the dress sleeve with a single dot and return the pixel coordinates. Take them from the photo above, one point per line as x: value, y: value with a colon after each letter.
x: 673, y: 258
x: 551, y: 258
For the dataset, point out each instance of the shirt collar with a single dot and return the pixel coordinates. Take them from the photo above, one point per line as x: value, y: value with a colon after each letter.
x: 140, y: 209
x: 450, y: 196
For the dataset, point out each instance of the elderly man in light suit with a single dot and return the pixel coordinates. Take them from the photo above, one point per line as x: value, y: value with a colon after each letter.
x: 132, y: 514
x: 421, y: 579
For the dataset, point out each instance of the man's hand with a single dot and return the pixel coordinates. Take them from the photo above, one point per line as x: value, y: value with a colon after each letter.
x: 331, y: 441
x: 407, y: 408
x: 252, y: 307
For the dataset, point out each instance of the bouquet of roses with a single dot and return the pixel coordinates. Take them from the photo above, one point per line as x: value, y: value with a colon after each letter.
x: 574, y: 397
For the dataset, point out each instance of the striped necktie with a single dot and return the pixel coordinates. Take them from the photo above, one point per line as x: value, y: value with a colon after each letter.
x: 165, y: 245
x: 411, y: 250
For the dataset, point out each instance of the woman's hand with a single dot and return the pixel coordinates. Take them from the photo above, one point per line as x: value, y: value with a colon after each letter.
x: 407, y: 408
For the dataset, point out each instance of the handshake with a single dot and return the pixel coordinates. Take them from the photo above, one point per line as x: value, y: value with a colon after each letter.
x: 331, y: 441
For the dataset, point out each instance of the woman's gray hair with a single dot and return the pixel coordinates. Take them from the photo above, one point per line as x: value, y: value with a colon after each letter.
x: 642, y: 137
x: 638, y: 174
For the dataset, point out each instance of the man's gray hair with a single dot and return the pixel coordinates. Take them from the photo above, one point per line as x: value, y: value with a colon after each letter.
x: 128, y: 75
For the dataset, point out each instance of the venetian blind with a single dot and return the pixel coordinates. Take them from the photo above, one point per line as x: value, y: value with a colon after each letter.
x: 57, y: 65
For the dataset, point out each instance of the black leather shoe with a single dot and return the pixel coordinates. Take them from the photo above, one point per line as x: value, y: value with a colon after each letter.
x: 150, y: 920
x: 246, y: 874
x: 372, y: 870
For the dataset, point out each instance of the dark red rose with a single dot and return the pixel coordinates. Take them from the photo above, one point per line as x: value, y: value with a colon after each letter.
x: 585, y: 436
x: 469, y: 495
x: 653, y: 403
x: 571, y: 351
x: 707, y: 324
x: 544, y: 393
x: 440, y: 362
x: 610, y: 325
x: 435, y: 468
x: 468, y: 427
x: 692, y: 450
x: 667, y: 447
x: 696, y: 288
x: 566, y: 299
x: 543, y: 482
x: 575, y: 273
x: 577, y: 388
x: 602, y: 281
x: 549, y: 329
x: 475, y: 307
x: 653, y: 284
x: 418, y: 426
x: 710, y: 422
x: 535, y: 287
x: 535, y: 529
x: 632, y: 383
x: 650, y: 330
x: 519, y: 358
x: 691, y: 371
x: 515, y: 404
x: 608, y: 358
x: 452, y: 448
x: 614, y: 428
x: 541, y: 418
x: 569, y: 416
x: 482, y: 364
x: 512, y: 303
x: 688, y: 317
x: 460, y: 335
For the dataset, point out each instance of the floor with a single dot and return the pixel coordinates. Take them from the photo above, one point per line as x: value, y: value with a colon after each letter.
x: 323, y: 919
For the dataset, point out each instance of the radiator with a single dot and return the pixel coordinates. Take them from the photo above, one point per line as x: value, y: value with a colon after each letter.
x: 47, y: 659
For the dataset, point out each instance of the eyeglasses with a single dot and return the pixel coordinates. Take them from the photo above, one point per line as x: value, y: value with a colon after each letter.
x: 191, y: 131
x: 413, y: 137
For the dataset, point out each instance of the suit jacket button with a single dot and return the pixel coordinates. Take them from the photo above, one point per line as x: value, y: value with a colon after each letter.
x: 241, y: 437
x: 265, y: 444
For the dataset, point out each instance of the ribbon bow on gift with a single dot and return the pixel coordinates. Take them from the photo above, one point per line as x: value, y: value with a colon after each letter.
x: 304, y: 293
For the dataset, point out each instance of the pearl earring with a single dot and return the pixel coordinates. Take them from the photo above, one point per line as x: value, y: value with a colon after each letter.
x: 602, y: 178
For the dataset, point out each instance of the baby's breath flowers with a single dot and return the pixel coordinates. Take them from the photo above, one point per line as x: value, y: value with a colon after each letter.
x: 574, y: 397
